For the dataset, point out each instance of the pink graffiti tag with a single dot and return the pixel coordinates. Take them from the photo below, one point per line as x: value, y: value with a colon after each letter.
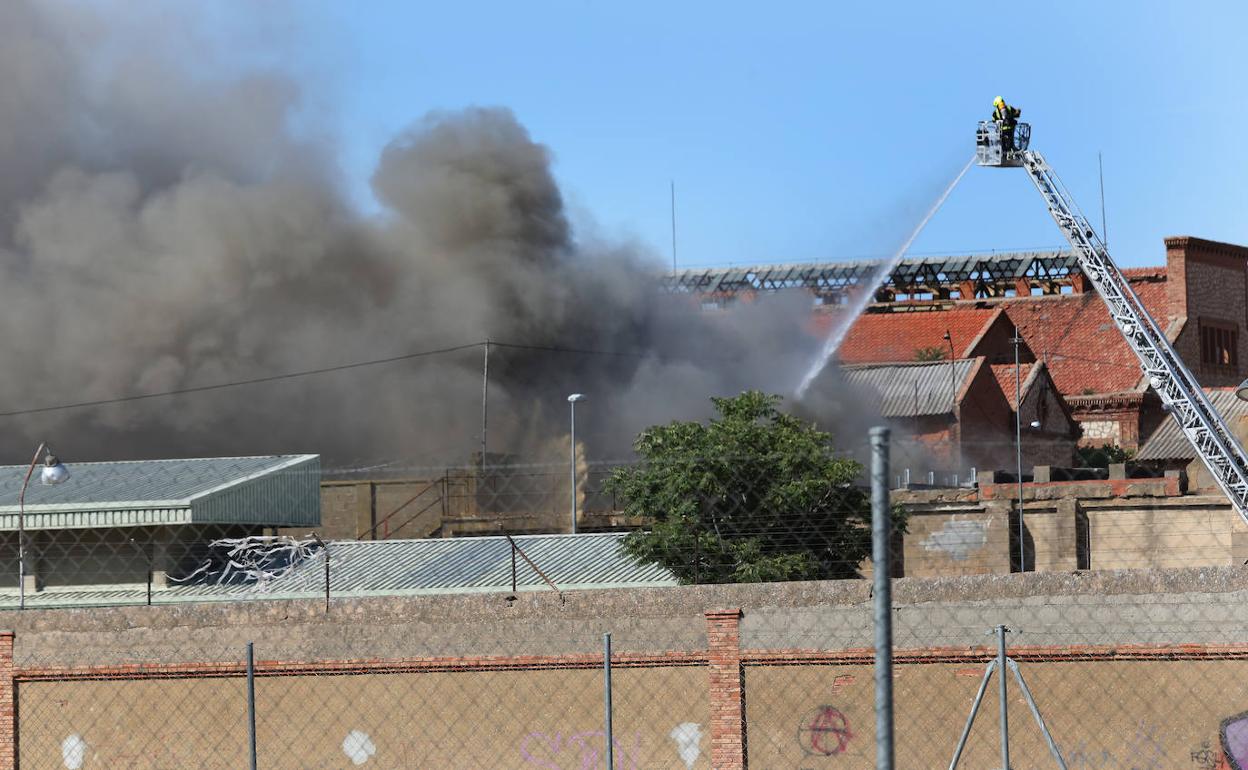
x: 824, y: 732
x: 554, y: 751
x: 1234, y: 735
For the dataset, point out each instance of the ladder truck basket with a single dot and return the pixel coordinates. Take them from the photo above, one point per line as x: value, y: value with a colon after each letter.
x: 990, y: 147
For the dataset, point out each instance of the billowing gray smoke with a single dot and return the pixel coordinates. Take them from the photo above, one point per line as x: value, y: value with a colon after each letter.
x: 161, y: 231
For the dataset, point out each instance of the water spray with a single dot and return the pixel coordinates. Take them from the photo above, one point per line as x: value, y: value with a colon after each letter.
x: 867, y: 292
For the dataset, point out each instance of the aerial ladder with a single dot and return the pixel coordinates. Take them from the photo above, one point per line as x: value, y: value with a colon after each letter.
x: 1180, y: 393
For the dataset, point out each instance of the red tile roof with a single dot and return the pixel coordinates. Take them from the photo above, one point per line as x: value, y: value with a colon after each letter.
x: 1072, y: 333
x: 1075, y: 336
x: 896, y: 337
x: 1005, y: 378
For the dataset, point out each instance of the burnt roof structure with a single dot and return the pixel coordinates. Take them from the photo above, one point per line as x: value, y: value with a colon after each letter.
x: 966, y: 277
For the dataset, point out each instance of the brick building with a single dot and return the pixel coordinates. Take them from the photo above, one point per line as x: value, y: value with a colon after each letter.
x: 1198, y: 299
x: 950, y: 416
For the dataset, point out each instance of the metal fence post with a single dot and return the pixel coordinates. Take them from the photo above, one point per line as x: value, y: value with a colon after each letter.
x: 251, y: 701
x: 607, y: 701
x: 1005, y: 703
x: 881, y: 568
x: 607, y: 732
x: 325, y: 550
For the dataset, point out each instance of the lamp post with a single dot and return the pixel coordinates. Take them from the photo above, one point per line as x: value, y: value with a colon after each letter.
x: 54, y: 472
x: 1018, y: 448
x: 572, y: 399
x: 953, y: 403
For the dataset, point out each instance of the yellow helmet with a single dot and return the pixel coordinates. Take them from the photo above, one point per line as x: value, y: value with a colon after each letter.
x: 998, y: 102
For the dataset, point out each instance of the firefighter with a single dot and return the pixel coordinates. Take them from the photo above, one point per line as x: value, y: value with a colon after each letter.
x: 1006, y: 118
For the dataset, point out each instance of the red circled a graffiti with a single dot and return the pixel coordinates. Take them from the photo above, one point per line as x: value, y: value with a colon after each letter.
x: 824, y: 732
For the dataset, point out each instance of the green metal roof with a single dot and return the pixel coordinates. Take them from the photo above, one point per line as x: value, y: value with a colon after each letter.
x: 274, y: 490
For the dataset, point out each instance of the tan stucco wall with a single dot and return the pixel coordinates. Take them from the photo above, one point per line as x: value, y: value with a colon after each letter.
x: 954, y: 532
x: 1103, y: 715
x: 510, y: 719
x: 1137, y: 714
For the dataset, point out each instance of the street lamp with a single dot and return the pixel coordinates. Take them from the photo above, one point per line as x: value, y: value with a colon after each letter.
x: 572, y: 399
x: 953, y: 404
x: 53, y: 472
x: 1018, y: 447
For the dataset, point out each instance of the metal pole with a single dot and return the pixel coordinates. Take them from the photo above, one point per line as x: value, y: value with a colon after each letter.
x: 970, y: 721
x: 953, y: 404
x: 485, y: 401
x: 881, y: 564
x: 324, y: 550
x: 608, y: 733
x: 573, y: 405
x: 673, y: 225
x: 1035, y: 712
x: 1018, y: 450
x: 1005, y: 711
x: 150, y: 558
x: 21, y: 531
x: 251, y: 701
x: 1100, y: 167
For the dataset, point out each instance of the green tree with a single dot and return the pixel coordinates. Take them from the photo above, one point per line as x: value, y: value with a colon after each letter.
x: 934, y: 353
x: 1102, y: 456
x: 752, y: 495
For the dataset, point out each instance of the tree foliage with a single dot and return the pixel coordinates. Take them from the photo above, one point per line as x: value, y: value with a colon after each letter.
x: 752, y: 495
x: 934, y: 353
x: 1102, y: 456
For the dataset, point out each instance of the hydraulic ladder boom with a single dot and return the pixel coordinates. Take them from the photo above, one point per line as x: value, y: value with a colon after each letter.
x: 1180, y: 393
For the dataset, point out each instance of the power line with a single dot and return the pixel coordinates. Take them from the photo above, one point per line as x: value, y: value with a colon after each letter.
x: 310, y: 373
x: 239, y: 383
x: 580, y: 351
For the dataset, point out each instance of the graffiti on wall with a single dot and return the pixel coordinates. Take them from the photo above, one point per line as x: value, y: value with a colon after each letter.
x: 1233, y: 734
x: 577, y: 751
x: 688, y: 738
x: 824, y: 732
x: 73, y: 751
x: 358, y: 746
x: 958, y: 539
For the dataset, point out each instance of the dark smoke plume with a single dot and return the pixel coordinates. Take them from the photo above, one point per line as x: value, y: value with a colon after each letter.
x: 160, y: 229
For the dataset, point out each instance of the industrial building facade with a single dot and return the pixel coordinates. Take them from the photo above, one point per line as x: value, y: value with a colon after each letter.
x: 1199, y: 299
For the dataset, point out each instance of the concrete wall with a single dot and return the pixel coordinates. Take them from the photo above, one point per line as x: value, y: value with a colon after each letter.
x: 1116, y: 524
x: 1129, y: 668
x: 516, y: 498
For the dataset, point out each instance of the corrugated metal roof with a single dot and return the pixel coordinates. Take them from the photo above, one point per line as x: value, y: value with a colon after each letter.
x: 403, y: 568
x: 274, y: 490
x: 453, y: 565
x: 1168, y: 441
x: 910, y: 390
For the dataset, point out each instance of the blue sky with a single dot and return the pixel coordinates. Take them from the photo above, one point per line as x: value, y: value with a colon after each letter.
x: 817, y: 131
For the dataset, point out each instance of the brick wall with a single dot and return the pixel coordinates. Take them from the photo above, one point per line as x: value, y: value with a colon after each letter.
x: 1115, y: 419
x: 1208, y: 282
x: 726, y: 689
x: 801, y: 706
x: 986, y: 421
x: 1053, y: 443
x: 781, y: 678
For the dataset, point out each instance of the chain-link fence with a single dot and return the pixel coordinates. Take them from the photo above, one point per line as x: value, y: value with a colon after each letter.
x: 735, y: 590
